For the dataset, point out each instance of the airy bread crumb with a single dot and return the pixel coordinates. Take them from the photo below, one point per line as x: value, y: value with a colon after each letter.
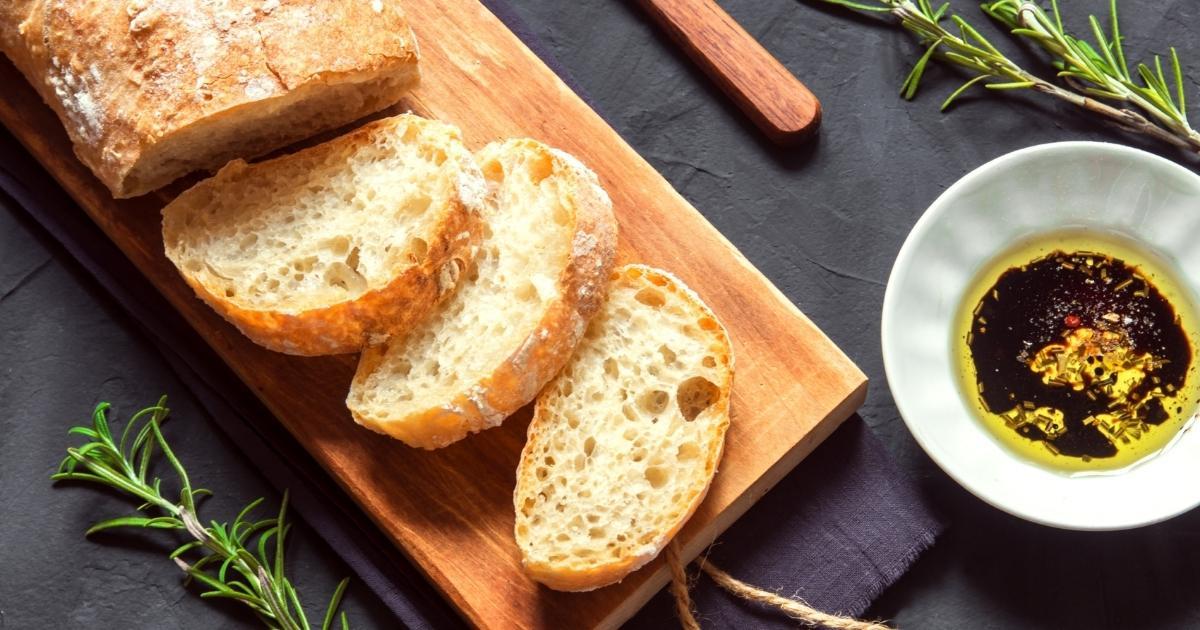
x: 547, y: 249
x: 624, y: 443
x: 312, y: 252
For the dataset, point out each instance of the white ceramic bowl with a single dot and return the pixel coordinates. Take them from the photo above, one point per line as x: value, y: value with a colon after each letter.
x: 1040, y: 189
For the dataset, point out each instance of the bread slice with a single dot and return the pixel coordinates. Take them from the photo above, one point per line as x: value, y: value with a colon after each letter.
x: 540, y: 276
x: 314, y: 252
x: 150, y: 90
x: 624, y: 443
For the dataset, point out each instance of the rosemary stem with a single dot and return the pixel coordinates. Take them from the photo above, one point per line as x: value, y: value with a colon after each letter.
x: 225, y: 567
x: 1092, y: 74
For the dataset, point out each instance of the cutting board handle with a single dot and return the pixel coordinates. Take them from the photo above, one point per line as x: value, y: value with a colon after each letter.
x: 761, y: 86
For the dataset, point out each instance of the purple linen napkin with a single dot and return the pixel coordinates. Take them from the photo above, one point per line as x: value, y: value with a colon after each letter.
x: 835, y: 532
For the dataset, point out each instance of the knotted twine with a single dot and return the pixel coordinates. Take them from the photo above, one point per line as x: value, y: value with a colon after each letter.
x: 793, y: 608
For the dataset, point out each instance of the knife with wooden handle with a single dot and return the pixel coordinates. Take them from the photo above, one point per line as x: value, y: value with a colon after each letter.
x: 763, y: 88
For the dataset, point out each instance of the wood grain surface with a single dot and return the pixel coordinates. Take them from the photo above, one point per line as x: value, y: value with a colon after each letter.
x: 451, y: 510
x: 766, y: 91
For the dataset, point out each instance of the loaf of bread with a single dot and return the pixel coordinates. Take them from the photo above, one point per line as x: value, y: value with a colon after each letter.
x: 625, y: 442
x: 149, y: 90
x: 548, y: 247
x: 322, y: 250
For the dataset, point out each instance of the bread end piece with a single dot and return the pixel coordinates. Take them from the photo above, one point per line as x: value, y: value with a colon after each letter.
x: 625, y: 442
x: 310, y: 296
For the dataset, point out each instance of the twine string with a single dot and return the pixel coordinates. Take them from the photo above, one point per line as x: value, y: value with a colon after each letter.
x: 679, y: 589
x: 793, y: 608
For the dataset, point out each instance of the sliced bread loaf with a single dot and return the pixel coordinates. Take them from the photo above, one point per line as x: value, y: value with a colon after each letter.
x: 314, y: 252
x: 543, y: 265
x: 624, y: 443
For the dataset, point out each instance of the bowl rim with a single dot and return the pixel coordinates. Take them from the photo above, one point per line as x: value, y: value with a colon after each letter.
x: 904, y: 260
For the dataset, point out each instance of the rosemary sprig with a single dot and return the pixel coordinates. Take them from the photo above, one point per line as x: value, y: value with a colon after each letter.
x: 226, y: 567
x: 1091, y: 73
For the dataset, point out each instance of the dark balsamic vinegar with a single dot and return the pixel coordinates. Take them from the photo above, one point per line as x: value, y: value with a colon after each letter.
x: 1075, y: 352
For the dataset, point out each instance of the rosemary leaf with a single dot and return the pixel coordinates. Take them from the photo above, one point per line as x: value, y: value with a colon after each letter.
x: 1094, y: 76
x: 124, y: 465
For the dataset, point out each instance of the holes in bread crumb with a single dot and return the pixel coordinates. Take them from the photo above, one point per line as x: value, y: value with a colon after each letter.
x: 527, y: 292
x: 230, y: 292
x: 610, y: 368
x: 654, y: 401
x: 541, y: 473
x: 709, y: 324
x: 589, y: 446
x: 709, y: 362
x: 248, y: 241
x: 417, y: 249
x: 628, y: 412
x: 345, y: 277
x: 417, y: 204
x: 493, y: 170
x: 667, y: 353
x: 687, y: 450
x: 596, y: 532
x: 566, y: 388
x: 572, y: 420
x: 657, y: 280
x: 695, y: 395
x: 338, y: 246
x: 539, y: 167
x: 650, y: 297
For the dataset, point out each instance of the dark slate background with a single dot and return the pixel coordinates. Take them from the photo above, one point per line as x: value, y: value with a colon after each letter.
x: 824, y: 222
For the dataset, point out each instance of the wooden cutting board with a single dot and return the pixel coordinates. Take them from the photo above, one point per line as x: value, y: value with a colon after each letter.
x: 450, y: 511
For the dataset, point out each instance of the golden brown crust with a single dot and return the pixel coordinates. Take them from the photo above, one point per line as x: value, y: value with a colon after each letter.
x: 564, y: 577
x: 518, y: 379
x: 130, y: 79
x: 347, y: 326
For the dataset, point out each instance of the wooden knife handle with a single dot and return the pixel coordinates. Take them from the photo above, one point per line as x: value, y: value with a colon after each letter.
x: 762, y: 87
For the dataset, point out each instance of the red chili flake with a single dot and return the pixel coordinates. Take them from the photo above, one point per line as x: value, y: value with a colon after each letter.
x: 1072, y: 321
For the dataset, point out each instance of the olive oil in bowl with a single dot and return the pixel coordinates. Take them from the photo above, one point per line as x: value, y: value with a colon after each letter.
x: 1077, y: 349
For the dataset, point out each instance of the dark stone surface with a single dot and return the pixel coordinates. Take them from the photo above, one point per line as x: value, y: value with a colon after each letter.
x: 823, y: 221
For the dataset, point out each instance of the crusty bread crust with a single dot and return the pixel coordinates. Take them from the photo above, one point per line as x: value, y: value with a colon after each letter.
x: 150, y: 90
x: 347, y: 326
x: 518, y: 379
x: 564, y: 576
